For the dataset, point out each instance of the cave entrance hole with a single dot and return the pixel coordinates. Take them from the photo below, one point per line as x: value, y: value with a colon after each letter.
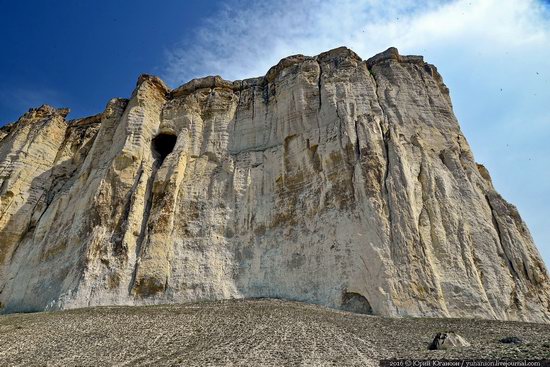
x: 355, y: 302
x: 163, y: 144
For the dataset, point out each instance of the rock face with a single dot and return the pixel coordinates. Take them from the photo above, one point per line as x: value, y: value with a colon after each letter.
x: 331, y: 180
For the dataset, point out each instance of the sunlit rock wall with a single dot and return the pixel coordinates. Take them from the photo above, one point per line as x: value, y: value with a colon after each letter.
x: 331, y: 180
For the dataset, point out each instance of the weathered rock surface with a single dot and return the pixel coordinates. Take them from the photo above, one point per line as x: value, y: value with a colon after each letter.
x: 331, y: 180
x: 444, y: 341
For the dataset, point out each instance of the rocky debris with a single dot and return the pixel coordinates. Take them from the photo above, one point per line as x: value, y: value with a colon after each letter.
x: 330, y: 180
x: 444, y: 341
x: 511, y: 340
x: 247, y: 333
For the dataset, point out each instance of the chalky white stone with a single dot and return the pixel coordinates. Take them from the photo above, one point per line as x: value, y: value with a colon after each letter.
x: 331, y: 180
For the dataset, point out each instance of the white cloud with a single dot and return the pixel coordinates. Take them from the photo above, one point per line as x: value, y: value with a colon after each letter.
x: 493, y: 54
x: 245, y: 38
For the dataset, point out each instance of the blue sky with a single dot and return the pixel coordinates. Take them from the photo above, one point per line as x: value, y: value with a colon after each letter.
x: 493, y: 54
x: 82, y: 53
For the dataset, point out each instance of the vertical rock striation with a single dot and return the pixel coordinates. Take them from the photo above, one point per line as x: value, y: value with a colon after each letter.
x: 331, y: 180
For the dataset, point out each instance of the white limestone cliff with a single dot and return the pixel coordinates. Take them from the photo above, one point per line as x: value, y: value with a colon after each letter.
x: 331, y: 180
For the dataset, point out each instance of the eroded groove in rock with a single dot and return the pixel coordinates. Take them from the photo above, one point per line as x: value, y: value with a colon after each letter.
x: 330, y: 180
x: 144, y: 223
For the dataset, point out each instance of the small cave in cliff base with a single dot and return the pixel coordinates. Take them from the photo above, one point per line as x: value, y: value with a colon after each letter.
x: 355, y: 302
x: 163, y: 144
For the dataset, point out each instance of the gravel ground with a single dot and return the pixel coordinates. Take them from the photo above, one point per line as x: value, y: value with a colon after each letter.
x: 247, y: 333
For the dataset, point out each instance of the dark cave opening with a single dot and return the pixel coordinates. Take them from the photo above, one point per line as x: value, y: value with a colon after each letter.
x: 355, y: 302
x: 163, y: 144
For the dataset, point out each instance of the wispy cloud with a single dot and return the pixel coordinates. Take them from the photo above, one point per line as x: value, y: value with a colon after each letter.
x: 493, y: 54
x: 245, y: 38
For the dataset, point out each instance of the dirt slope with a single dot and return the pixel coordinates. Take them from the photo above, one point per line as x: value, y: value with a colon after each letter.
x: 246, y: 333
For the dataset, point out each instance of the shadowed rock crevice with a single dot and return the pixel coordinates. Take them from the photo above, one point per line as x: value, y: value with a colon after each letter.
x: 140, y: 287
